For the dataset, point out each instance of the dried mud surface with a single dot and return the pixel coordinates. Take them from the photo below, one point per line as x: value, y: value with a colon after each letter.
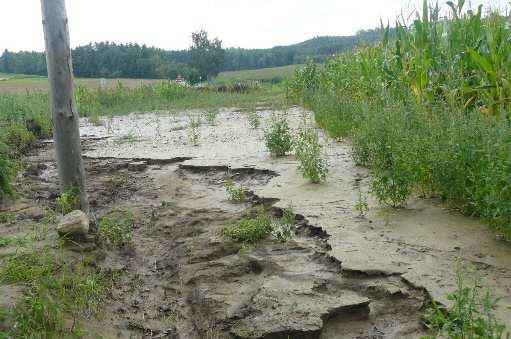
x: 341, y: 276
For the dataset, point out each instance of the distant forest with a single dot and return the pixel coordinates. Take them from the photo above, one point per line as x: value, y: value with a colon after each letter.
x: 111, y: 60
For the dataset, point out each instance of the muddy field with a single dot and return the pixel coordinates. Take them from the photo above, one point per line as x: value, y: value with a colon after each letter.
x: 341, y: 276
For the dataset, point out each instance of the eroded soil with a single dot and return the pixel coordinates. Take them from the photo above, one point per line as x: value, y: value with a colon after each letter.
x: 341, y: 276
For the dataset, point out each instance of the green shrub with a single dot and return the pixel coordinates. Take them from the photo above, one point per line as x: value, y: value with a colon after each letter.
x: 250, y: 230
x: 308, y: 153
x: 7, y: 172
x: 278, y: 137
x: 68, y: 201
x: 116, y: 228
x: 211, y: 115
x: 284, y: 228
x: 471, y: 316
x: 254, y: 120
x: 19, y: 139
x: 234, y: 193
x: 194, y: 133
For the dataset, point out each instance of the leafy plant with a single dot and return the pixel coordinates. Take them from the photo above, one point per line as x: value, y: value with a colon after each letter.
x: 471, y: 316
x: 234, y: 193
x: 284, y: 228
x: 116, y: 228
x: 361, y: 205
x: 278, y: 137
x: 194, y: 133
x: 211, y: 115
x: 250, y: 230
x: 68, y: 200
x: 254, y: 120
x: 308, y: 153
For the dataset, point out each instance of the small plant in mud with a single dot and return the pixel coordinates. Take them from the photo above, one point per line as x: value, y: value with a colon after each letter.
x: 7, y: 218
x: 284, y: 228
x: 254, y: 121
x: 234, y: 193
x: 278, y: 137
x: 471, y: 316
x: 308, y: 153
x: 251, y: 230
x: 68, y: 200
x: 194, y: 133
x: 361, y: 206
x: 211, y: 115
x: 116, y: 228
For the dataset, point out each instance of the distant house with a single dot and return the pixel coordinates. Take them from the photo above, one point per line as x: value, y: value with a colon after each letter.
x: 180, y: 79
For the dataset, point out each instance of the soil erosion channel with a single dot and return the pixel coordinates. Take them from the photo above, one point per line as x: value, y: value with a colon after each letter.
x: 341, y: 276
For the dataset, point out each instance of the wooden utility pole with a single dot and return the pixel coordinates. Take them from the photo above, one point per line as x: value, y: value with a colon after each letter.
x: 66, y: 130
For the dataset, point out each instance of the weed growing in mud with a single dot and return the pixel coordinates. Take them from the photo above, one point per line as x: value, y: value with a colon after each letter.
x: 194, y: 134
x: 284, y: 228
x: 361, y: 206
x: 308, y: 153
x: 4, y: 242
x: 278, y: 137
x: 116, y: 228
x: 7, y: 218
x: 68, y: 201
x: 211, y: 115
x: 251, y: 230
x: 234, y: 193
x: 471, y: 316
x: 254, y: 121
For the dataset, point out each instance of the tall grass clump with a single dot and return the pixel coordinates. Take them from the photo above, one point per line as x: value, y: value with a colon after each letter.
x: 427, y: 108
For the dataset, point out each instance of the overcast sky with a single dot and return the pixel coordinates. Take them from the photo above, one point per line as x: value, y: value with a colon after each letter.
x: 168, y: 23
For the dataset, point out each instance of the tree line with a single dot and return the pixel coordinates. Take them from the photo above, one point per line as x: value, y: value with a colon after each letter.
x: 204, y: 59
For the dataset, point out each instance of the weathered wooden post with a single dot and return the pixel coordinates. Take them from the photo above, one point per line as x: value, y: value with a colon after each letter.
x: 66, y: 132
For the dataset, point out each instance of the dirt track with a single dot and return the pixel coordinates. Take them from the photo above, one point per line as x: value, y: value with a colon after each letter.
x: 342, y: 276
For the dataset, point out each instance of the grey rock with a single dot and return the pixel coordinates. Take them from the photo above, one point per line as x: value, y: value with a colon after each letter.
x: 75, y: 223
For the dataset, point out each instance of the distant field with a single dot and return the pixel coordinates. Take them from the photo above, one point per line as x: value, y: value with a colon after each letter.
x: 19, y: 83
x: 263, y: 74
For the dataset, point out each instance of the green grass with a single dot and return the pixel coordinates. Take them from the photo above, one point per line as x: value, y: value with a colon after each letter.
x: 428, y: 109
x: 271, y: 75
x: 55, y: 290
x: 116, y: 228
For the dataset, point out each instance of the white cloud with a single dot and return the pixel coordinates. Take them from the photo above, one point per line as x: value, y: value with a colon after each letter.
x: 169, y: 23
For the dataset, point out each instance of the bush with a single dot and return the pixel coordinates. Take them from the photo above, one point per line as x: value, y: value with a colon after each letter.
x: 7, y: 173
x: 278, y: 137
x: 251, y: 230
x: 68, y: 201
x: 234, y: 193
x: 308, y: 153
x: 471, y: 316
x: 19, y: 138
